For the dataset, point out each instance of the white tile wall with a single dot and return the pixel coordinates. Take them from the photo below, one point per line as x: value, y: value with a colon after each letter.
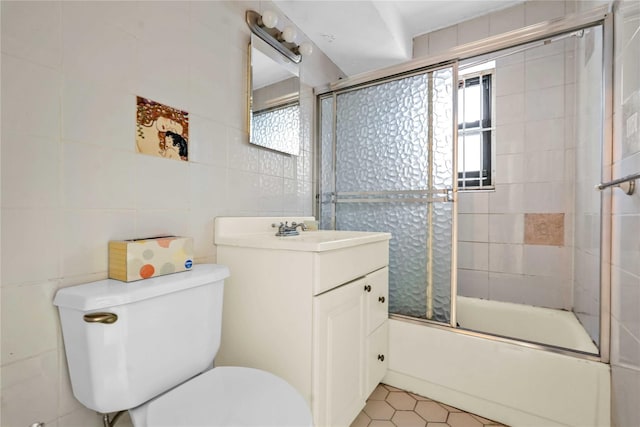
x: 509, y: 19
x: 72, y: 181
x: 506, y: 228
x: 31, y: 384
x: 473, y: 29
x: 506, y: 258
x: 473, y: 227
x: 473, y: 283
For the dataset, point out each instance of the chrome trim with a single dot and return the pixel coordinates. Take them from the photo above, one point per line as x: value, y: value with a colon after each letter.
x: 280, y: 102
x: 453, y: 310
x: 524, y: 35
x: 429, y: 248
x: 407, y: 200
x: 392, y: 192
x: 253, y: 19
x: 498, y: 338
x: 606, y: 206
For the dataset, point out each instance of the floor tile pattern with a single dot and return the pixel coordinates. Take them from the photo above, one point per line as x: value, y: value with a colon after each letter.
x: 391, y: 407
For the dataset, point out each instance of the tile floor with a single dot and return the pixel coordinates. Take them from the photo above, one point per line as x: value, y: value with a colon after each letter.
x: 391, y: 407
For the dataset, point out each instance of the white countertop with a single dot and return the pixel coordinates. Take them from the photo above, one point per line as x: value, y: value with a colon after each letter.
x: 308, y: 241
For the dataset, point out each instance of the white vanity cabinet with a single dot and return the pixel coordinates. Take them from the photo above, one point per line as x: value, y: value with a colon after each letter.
x: 350, y: 325
x: 311, y: 309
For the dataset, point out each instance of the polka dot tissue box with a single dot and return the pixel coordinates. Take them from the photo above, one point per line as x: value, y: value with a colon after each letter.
x: 137, y: 259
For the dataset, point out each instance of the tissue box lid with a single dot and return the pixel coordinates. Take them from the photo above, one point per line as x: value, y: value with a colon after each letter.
x: 111, y: 293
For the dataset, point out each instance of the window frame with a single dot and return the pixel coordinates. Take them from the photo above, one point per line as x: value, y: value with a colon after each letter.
x: 487, y: 133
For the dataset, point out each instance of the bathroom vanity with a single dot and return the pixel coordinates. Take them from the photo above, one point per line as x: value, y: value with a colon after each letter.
x: 312, y: 309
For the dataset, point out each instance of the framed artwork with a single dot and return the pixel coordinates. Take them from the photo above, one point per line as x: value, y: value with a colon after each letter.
x: 161, y: 130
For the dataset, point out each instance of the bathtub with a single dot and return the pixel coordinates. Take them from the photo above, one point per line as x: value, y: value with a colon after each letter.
x: 518, y: 384
x: 536, y: 324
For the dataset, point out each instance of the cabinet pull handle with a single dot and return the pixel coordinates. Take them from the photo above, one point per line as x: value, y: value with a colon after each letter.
x: 381, y: 299
x: 367, y: 288
x: 381, y: 357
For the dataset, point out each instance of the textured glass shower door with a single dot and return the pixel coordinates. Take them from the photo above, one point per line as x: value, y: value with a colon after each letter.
x: 387, y: 165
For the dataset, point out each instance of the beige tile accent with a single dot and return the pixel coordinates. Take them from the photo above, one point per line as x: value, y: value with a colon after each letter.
x: 544, y: 229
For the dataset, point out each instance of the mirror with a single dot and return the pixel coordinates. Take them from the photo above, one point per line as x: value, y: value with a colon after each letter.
x: 274, y: 99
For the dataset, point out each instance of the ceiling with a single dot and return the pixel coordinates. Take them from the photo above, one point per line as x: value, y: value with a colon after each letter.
x: 365, y: 35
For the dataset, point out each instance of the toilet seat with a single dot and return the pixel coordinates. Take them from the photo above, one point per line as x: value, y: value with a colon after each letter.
x: 228, y: 396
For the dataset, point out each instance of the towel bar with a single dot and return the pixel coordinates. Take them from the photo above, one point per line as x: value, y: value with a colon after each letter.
x: 626, y: 184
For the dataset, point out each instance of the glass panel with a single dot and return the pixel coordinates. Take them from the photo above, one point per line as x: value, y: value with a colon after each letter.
x: 382, y: 137
x: 588, y: 169
x: 471, y: 102
x: 407, y: 254
x: 441, y: 254
x: 382, y: 145
x: 443, y: 177
x: 327, y: 171
x: 472, y: 148
x: 278, y: 128
x: 543, y: 212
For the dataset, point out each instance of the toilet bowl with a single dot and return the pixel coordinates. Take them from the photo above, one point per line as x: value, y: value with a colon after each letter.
x: 148, y: 346
x: 227, y: 396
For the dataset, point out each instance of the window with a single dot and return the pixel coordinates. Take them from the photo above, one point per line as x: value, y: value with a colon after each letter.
x: 475, y: 128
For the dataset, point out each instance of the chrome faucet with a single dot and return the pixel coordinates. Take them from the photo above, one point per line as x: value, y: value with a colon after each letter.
x: 284, y: 229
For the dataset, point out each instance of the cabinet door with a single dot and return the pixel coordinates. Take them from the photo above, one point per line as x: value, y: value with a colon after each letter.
x: 339, y: 350
x: 377, y: 357
x: 377, y: 298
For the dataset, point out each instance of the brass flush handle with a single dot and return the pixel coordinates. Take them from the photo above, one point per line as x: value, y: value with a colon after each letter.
x: 101, y: 317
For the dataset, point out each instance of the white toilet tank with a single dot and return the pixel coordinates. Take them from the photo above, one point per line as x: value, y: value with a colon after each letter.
x: 167, y: 330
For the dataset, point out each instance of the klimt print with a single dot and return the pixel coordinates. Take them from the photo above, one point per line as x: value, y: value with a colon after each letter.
x: 162, y: 130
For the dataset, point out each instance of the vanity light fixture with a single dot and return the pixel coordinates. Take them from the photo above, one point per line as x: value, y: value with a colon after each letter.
x: 264, y: 26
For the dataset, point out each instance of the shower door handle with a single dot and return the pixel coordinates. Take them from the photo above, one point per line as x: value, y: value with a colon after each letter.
x: 443, y: 195
x: 449, y: 194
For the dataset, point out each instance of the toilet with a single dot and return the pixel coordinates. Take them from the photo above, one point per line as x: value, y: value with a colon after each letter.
x: 148, y: 346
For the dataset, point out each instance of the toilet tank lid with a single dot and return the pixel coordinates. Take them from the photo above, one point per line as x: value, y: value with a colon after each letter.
x: 111, y: 293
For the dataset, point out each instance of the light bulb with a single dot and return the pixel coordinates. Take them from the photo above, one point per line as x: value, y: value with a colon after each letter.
x: 289, y: 34
x: 269, y: 18
x: 305, y: 49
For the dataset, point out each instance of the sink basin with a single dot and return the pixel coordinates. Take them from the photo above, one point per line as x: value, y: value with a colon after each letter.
x: 310, y: 241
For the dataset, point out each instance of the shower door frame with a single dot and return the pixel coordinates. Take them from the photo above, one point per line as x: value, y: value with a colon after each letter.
x: 602, y: 15
x: 428, y: 196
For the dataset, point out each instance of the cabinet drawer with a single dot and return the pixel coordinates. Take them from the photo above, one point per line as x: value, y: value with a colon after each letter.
x: 377, y: 357
x: 333, y: 268
x: 377, y: 298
